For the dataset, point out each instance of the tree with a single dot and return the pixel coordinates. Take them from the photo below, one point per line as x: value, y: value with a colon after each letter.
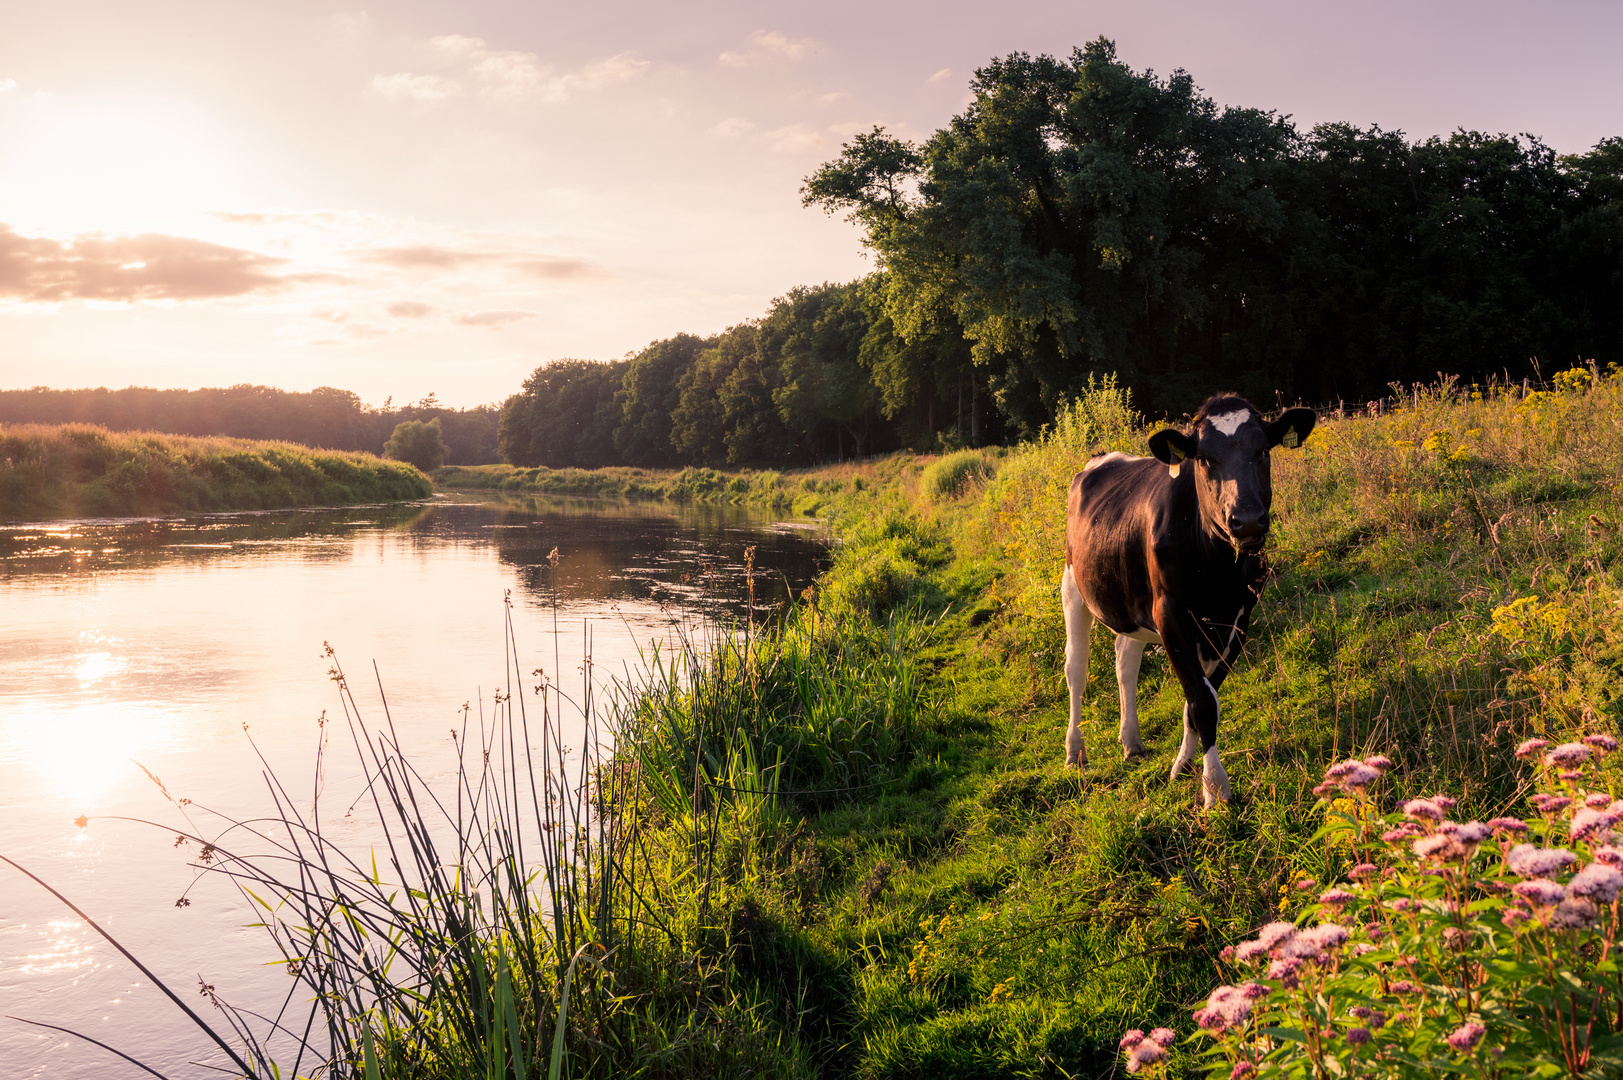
x: 417, y: 443
x: 1076, y: 216
x: 564, y: 416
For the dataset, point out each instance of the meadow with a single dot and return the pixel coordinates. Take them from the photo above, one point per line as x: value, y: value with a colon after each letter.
x: 82, y: 470
x: 842, y: 843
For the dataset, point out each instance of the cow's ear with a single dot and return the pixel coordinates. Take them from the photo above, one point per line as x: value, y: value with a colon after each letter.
x: 1172, y: 447
x: 1291, y: 429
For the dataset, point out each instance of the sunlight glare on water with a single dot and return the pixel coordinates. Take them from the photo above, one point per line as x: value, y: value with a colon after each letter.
x: 137, y: 658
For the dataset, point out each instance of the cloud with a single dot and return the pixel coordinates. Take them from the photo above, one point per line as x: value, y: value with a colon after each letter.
x: 424, y: 89
x: 732, y: 127
x: 152, y: 266
x: 490, y: 318
x: 432, y: 257
x: 551, y: 266
x: 765, y: 47
x: 7, y: 85
x: 501, y: 75
x: 794, y: 137
x: 353, y: 329
x: 408, y: 309
x: 940, y: 76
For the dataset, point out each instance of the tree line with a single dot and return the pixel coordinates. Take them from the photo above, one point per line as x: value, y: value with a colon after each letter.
x: 324, y: 417
x: 1081, y: 218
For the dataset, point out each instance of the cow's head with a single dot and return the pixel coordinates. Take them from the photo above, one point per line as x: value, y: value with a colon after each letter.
x: 1228, y: 444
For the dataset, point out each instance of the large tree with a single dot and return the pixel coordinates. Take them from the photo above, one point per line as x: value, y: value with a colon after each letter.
x: 1077, y: 216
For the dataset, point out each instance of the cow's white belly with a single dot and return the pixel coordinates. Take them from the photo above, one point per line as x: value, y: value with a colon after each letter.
x: 1149, y: 637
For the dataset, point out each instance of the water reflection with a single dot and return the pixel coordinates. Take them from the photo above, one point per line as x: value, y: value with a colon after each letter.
x: 157, y: 641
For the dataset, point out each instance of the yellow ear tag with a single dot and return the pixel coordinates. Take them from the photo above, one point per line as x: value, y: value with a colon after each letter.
x: 1180, y: 455
x: 1290, y: 440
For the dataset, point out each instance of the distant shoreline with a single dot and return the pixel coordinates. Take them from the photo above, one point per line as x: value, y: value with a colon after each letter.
x: 52, y: 472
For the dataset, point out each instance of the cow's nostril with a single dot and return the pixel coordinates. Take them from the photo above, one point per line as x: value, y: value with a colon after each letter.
x: 1247, y: 525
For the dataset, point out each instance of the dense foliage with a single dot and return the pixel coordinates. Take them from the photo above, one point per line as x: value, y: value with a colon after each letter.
x: 418, y: 443
x: 1080, y: 217
x: 323, y: 417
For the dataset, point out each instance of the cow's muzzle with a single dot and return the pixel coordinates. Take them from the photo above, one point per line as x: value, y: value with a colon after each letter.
x: 1249, y: 530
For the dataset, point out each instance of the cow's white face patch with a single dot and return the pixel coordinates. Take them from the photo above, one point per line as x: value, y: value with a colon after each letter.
x: 1228, y: 423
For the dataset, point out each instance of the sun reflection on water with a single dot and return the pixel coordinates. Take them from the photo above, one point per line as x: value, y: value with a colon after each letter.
x: 67, y: 948
x: 82, y: 752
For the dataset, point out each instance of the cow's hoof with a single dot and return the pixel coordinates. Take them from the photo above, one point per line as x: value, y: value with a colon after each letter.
x: 1177, y: 767
x: 1073, y: 763
x: 1133, y: 753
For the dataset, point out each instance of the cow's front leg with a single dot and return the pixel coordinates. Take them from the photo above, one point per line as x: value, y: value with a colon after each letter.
x: 1129, y: 655
x: 1078, y: 638
x: 1201, y: 710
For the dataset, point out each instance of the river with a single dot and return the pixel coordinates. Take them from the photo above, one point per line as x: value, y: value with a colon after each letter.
x: 130, y: 648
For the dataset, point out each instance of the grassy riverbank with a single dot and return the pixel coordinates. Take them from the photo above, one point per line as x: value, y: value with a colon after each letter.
x: 801, y: 491
x: 846, y: 847
x: 80, y: 470
x: 940, y: 898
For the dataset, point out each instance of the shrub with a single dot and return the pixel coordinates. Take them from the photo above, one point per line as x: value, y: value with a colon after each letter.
x: 417, y: 443
x: 948, y: 477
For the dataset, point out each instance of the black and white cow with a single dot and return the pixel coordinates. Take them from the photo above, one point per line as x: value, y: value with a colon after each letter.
x: 1168, y: 549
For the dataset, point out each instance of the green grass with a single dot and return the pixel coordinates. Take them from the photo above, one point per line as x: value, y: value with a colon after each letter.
x: 990, y: 913
x: 844, y: 846
x: 80, y: 470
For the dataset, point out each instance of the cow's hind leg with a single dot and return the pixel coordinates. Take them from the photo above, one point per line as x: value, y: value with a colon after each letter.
x: 1129, y: 654
x: 1078, y: 637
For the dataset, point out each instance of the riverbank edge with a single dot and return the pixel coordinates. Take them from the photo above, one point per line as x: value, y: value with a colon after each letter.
x: 800, y: 492
x: 76, y: 471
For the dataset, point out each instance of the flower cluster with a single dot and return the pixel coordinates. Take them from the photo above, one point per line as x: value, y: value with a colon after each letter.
x: 1145, y: 1050
x: 1442, y: 929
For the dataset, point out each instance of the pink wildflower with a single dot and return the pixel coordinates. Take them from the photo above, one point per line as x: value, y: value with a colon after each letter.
x: 1402, y: 833
x: 1444, y: 801
x: 1227, y: 1007
x: 1404, y: 986
x: 1574, y: 913
x: 1379, y: 762
x: 1131, y: 1039
x: 1568, y: 754
x: 1275, y: 933
x: 1598, y: 881
x: 1284, y: 970
x: 1549, y: 804
x: 1572, y: 776
x: 1249, y: 951
x: 1530, y: 747
x: 1472, y: 833
x: 1540, y: 892
x: 1525, y: 860
x: 1514, y: 826
x: 1226, y: 954
x: 1377, y: 1020
x: 1362, y: 1012
x: 1243, y: 1070
x: 1305, y: 884
x: 1597, y: 800
x: 1358, y: 1036
x: 1465, y: 1037
x: 1145, y: 1053
x: 1422, y: 810
x: 1439, y: 846
x: 1327, y: 790
x: 1603, y: 744
x: 1163, y: 1037
x: 1255, y: 990
x: 1402, y: 903
x: 1611, y: 856
x: 1514, y: 917
x: 1588, y: 824
x: 1335, y: 897
x: 1327, y: 935
x: 1363, y: 870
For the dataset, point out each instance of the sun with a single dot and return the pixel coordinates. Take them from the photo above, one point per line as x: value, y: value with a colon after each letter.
x: 112, y: 165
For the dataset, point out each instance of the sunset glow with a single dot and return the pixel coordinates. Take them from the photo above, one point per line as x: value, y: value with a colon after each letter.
x: 416, y: 198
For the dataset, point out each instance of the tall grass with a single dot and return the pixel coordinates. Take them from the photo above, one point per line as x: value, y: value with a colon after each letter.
x: 80, y: 470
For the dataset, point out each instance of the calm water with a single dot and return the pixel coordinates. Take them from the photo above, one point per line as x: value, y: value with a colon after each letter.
x: 150, y: 644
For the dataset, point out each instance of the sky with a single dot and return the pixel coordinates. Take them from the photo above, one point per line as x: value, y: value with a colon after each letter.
x: 421, y: 197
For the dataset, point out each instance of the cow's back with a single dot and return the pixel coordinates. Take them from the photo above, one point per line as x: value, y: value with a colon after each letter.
x: 1110, y: 514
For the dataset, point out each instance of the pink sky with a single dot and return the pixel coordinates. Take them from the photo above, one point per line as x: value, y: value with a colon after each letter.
x: 423, y: 196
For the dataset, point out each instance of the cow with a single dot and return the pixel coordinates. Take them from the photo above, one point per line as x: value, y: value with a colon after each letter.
x: 1169, y: 550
